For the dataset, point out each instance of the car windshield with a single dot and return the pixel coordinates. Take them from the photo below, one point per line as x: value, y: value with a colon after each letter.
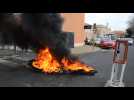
x: 112, y: 36
x: 106, y: 38
x: 127, y: 39
x: 98, y: 36
x: 130, y: 39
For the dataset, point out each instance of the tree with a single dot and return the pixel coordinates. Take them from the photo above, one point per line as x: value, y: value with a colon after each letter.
x: 129, y: 33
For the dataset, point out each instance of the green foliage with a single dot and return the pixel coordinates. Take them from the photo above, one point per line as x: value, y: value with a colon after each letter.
x: 92, y: 41
x: 129, y: 33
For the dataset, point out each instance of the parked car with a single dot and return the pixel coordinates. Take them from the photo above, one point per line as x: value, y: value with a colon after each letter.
x: 107, y: 43
x: 98, y: 39
x: 92, y: 41
x: 130, y: 40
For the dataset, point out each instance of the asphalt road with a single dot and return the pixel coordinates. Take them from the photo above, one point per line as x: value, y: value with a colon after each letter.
x: 14, y: 73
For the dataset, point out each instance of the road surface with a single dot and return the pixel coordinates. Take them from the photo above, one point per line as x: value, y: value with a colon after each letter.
x: 14, y: 73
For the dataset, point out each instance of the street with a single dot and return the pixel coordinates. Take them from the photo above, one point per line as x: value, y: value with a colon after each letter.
x: 14, y: 73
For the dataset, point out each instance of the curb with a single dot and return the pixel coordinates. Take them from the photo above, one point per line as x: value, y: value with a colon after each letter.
x: 82, y: 50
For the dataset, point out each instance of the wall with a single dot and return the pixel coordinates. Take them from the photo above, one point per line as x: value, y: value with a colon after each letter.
x: 74, y: 22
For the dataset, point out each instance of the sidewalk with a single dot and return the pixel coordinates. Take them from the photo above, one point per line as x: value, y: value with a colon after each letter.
x: 84, y: 49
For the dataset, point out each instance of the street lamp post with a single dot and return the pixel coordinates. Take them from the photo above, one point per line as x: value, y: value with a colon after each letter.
x: 94, y: 34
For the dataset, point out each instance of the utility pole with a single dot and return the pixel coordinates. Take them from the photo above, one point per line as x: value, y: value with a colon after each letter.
x: 94, y: 33
x: 107, y: 26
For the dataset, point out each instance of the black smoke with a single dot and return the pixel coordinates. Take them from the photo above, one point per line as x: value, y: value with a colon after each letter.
x: 130, y: 29
x: 35, y: 31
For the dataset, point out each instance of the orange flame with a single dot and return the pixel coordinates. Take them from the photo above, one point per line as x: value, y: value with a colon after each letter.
x: 46, y: 62
x: 75, y: 66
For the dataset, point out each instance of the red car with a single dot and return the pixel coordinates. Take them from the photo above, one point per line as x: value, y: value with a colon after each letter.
x: 107, y: 43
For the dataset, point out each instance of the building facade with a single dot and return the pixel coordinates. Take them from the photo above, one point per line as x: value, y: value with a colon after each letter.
x: 92, y: 30
x: 102, y: 29
x: 74, y: 22
x: 119, y: 33
x: 88, y: 31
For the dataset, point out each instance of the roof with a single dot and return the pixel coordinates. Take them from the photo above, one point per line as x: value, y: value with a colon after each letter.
x: 118, y: 32
x: 87, y: 26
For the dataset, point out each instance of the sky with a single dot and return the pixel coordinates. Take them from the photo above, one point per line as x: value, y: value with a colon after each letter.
x: 116, y: 21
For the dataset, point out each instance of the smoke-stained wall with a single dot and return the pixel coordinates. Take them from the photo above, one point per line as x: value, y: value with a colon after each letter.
x: 74, y: 22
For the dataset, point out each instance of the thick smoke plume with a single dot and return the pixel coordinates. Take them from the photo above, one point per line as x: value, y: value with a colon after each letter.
x: 130, y: 29
x: 35, y: 31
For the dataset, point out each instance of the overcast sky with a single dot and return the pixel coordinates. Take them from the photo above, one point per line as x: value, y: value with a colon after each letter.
x: 117, y: 21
